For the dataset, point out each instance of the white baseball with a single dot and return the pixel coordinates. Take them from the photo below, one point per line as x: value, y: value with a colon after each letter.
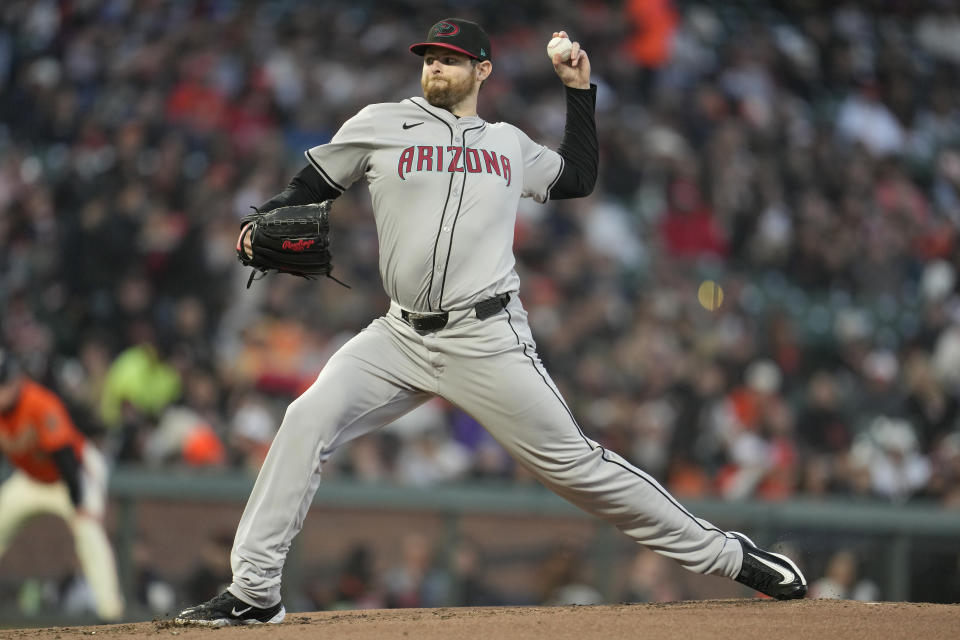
x: 561, y: 46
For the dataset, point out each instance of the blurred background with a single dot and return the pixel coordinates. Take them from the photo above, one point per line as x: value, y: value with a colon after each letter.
x: 803, y: 154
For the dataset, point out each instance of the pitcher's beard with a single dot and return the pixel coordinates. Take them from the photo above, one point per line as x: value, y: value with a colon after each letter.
x: 442, y: 93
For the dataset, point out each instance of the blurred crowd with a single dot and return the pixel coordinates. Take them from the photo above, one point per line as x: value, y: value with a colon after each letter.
x: 804, y: 155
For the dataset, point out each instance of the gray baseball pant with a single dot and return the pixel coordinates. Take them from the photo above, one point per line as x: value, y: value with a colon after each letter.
x: 491, y: 370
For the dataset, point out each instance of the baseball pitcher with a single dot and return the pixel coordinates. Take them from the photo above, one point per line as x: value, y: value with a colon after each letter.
x: 59, y: 472
x: 445, y: 186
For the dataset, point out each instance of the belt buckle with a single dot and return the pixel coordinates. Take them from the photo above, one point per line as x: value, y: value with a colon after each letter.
x: 414, y: 318
x: 428, y: 322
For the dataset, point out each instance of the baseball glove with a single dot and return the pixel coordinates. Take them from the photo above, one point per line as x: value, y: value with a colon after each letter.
x: 294, y: 240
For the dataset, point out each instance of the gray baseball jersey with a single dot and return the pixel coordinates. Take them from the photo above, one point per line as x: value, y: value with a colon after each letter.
x: 445, y: 194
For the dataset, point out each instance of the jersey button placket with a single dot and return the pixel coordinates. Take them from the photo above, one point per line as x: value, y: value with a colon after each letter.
x: 453, y: 205
x: 457, y: 184
x: 443, y: 249
x: 455, y: 192
x: 458, y: 179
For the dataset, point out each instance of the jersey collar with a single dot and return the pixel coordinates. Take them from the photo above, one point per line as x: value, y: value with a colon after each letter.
x: 463, y: 122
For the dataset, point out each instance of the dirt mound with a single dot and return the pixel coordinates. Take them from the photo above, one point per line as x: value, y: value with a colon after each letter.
x: 719, y: 619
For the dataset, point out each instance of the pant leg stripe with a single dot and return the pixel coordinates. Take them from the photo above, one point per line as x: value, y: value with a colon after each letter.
x: 603, y: 455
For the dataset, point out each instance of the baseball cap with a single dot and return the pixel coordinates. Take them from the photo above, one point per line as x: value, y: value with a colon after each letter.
x: 458, y: 35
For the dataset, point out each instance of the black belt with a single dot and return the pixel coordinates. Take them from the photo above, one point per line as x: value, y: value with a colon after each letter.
x: 424, y: 323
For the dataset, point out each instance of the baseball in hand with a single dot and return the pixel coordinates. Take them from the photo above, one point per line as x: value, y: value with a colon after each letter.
x: 561, y: 46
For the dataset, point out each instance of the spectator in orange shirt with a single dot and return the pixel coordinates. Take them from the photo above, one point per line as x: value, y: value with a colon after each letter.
x: 58, y: 472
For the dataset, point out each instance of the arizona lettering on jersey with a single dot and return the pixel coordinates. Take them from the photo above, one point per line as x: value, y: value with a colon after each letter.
x: 445, y: 194
x: 453, y: 159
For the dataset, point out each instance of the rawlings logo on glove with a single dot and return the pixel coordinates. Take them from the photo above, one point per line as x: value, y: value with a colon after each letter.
x: 292, y: 240
x: 297, y: 245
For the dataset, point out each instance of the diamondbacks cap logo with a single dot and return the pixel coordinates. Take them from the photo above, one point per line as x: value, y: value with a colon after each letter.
x: 444, y: 29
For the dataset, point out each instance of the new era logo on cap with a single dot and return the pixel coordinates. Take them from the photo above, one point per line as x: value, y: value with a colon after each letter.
x: 457, y: 35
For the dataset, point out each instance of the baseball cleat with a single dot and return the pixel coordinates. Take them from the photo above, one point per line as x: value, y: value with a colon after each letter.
x: 226, y: 610
x: 769, y: 573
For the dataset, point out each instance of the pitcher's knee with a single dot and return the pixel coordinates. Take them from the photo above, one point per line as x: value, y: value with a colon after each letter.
x: 569, y: 470
x: 308, y: 421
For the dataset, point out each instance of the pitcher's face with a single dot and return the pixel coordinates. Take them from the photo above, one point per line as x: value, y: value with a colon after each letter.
x: 448, y: 77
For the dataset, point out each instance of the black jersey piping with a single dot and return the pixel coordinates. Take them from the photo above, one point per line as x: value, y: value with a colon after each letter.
x: 436, y: 242
x: 563, y: 163
x: 603, y: 452
x: 453, y: 227
x: 323, y: 174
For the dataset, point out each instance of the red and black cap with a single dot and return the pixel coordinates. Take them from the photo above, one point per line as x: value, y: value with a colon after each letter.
x: 457, y: 35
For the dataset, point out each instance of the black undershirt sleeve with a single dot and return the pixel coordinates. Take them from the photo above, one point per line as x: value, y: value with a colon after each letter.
x: 69, y: 467
x: 306, y: 187
x: 579, y: 149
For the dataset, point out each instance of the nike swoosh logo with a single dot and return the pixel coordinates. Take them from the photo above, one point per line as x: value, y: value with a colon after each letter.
x: 788, y: 576
x: 236, y: 613
x: 411, y: 126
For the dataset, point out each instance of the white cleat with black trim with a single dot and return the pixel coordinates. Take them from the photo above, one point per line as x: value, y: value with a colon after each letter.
x: 769, y: 573
x: 226, y: 610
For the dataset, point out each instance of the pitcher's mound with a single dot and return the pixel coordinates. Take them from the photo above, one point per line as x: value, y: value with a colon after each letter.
x: 716, y: 619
